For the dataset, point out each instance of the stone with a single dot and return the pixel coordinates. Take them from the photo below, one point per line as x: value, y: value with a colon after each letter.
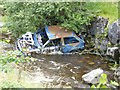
x: 98, y: 26
x: 117, y: 73
x: 114, y: 53
x: 114, y: 32
x: 93, y: 76
x: 104, y: 44
x: 101, y: 44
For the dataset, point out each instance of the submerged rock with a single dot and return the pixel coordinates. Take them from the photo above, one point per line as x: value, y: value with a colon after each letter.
x: 114, y: 32
x: 93, y: 76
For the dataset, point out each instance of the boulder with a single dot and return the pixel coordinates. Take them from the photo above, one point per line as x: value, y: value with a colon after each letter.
x: 98, y: 26
x: 93, y: 76
x: 114, y: 32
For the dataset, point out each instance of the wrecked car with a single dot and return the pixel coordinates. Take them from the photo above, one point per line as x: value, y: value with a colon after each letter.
x: 50, y: 39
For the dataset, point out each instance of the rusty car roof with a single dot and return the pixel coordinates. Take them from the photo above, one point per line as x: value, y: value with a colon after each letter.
x: 55, y: 32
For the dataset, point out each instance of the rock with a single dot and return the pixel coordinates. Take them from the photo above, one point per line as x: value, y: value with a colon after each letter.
x: 98, y: 25
x: 117, y: 73
x: 104, y: 44
x: 114, y: 32
x: 114, y: 53
x: 93, y: 76
x: 101, y: 44
x: 96, y: 31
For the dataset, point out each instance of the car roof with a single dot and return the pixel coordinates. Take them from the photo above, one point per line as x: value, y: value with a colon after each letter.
x: 54, y: 32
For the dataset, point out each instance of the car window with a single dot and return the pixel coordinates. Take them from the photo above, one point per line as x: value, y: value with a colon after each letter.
x: 69, y: 40
x: 54, y: 42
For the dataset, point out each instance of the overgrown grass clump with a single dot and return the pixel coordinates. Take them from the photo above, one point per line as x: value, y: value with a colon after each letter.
x: 10, y: 69
x: 13, y: 56
x: 105, y: 9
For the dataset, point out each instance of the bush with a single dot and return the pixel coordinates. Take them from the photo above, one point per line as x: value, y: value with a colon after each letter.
x: 13, y: 56
x: 23, y: 17
x: 103, y: 82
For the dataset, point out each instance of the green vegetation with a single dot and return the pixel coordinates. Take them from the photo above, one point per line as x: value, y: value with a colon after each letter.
x: 13, y: 56
x: 10, y: 71
x: 103, y: 82
x: 22, y: 17
x: 105, y: 9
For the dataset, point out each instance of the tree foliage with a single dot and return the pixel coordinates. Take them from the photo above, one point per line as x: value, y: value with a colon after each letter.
x: 23, y: 17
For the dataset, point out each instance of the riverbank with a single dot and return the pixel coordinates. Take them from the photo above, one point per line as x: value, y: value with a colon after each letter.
x: 51, y: 71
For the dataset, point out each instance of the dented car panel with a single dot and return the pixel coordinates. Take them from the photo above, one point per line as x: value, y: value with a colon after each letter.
x: 50, y: 39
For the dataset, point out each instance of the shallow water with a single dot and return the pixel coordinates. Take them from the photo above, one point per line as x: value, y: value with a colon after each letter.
x: 70, y: 66
x: 67, y: 68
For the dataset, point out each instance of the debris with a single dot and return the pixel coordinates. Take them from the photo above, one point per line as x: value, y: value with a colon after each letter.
x: 93, y: 76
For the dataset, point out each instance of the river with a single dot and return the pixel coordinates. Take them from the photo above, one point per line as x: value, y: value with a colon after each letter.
x: 67, y: 69
x: 70, y: 68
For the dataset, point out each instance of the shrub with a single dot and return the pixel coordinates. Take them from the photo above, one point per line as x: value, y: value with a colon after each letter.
x: 23, y: 17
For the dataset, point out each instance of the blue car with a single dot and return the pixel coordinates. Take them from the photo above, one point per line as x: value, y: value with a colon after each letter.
x: 50, y: 39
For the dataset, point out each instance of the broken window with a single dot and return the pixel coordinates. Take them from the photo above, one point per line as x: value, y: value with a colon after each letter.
x: 54, y: 42
x: 69, y: 40
x: 44, y: 36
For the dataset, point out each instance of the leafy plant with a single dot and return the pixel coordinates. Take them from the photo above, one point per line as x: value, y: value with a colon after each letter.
x: 29, y: 16
x: 103, y: 82
x: 12, y: 56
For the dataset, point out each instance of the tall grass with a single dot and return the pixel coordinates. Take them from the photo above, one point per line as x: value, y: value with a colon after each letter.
x: 105, y: 9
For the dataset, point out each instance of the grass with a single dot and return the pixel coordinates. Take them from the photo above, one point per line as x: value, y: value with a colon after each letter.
x: 105, y: 9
